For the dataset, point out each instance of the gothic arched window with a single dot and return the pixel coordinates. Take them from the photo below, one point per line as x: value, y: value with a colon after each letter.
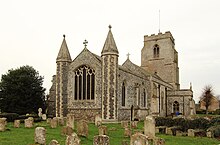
x: 84, y: 83
x: 123, y: 95
x: 144, y: 98
x: 176, y: 107
x: 156, y: 51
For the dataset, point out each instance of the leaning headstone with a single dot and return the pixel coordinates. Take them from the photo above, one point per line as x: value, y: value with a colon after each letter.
x: 127, y: 132
x: 39, y: 112
x: 3, y: 124
x: 70, y: 120
x: 158, y: 141
x: 82, y: 128
x: 103, y: 130
x: 44, y: 116
x: 124, y: 124
x: 54, y: 142
x: 40, y: 135
x: 101, y: 140
x: 29, y: 123
x: 73, y: 139
x: 149, y: 127
x: 17, y: 123
x: 53, y: 123
x: 98, y: 120
x: 139, y: 139
x: 191, y: 132
x: 66, y: 130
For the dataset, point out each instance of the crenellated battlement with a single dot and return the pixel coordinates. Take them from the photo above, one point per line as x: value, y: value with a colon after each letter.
x: 159, y: 36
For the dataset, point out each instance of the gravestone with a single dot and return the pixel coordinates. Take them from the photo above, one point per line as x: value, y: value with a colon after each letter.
x: 61, y: 121
x: 72, y: 139
x: 209, y: 134
x: 44, y: 117
x: 3, y: 124
x: 134, y: 124
x: 124, y: 124
x: 70, y: 120
x: 29, y: 123
x: 139, y: 139
x: 54, y: 142
x: 191, y: 132
x: 82, y: 128
x: 48, y: 120
x: 158, y: 141
x: 40, y: 112
x: 149, y: 127
x: 17, y: 123
x: 53, y: 123
x: 125, y: 142
x: 40, y: 135
x: 169, y: 131
x: 98, y: 120
x: 101, y: 140
x: 127, y: 132
x: 66, y: 130
x: 102, y: 130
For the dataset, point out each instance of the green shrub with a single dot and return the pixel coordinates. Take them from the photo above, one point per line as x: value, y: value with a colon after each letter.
x: 200, y: 112
x: 215, y: 121
x: 215, y: 130
x: 216, y: 112
x: 164, y: 121
x: 199, y: 123
x: 10, y: 116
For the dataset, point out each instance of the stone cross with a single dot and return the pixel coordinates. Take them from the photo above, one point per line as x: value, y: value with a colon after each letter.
x: 85, y: 43
x: 128, y: 55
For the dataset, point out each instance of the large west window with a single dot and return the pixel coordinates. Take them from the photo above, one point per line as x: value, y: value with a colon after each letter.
x: 84, y: 83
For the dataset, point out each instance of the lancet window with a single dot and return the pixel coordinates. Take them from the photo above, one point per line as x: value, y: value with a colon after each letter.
x: 156, y: 51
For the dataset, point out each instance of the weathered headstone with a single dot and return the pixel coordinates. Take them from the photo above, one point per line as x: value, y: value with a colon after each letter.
x: 73, y: 139
x: 158, y: 141
x: 39, y: 112
x: 48, y: 120
x: 102, y: 130
x: 134, y: 124
x: 54, y: 142
x: 3, y: 124
x: 44, y: 116
x: 40, y: 135
x: 125, y: 142
x: 139, y: 139
x: 124, y: 124
x: 17, y: 123
x: 66, y: 130
x: 169, y: 131
x: 61, y: 121
x: 70, y: 120
x: 101, y: 140
x: 82, y: 128
x: 29, y: 123
x: 98, y: 120
x: 127, y: 132
x: 149, y: 127
x: 209, y: 134
x: 191, y: 132
x: 53, y: 123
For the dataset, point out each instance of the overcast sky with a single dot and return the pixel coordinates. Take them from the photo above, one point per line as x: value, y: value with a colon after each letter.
x: 31, y: 32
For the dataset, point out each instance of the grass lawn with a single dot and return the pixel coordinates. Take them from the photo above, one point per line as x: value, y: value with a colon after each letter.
x: 25, y: 136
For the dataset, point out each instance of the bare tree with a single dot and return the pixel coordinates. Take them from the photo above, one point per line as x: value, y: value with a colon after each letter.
x: 206, y: 97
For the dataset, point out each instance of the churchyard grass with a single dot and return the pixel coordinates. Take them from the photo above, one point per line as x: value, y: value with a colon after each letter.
x: 25, y: 136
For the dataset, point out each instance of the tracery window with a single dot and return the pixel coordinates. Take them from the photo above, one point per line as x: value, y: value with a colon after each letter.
x: 84, y: 83
x: 175, y: 107
x: 123, y: 95
x: 156, y: 50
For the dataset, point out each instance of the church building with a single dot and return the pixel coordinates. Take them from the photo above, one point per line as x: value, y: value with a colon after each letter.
x: 93, y: 84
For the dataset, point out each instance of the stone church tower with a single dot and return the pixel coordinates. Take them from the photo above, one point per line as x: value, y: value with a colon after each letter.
x: 160, y: 57
x: 63, y: 60
x: 109, y: 56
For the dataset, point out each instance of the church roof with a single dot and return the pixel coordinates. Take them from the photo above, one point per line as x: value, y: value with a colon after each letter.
x: 64, y: 54
x: 110, y: 45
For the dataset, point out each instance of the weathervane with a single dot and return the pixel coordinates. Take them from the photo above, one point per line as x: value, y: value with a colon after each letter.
x: 85, y: 43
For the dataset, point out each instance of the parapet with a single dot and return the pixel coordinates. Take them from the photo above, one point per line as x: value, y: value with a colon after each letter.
x: 159, y: 36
